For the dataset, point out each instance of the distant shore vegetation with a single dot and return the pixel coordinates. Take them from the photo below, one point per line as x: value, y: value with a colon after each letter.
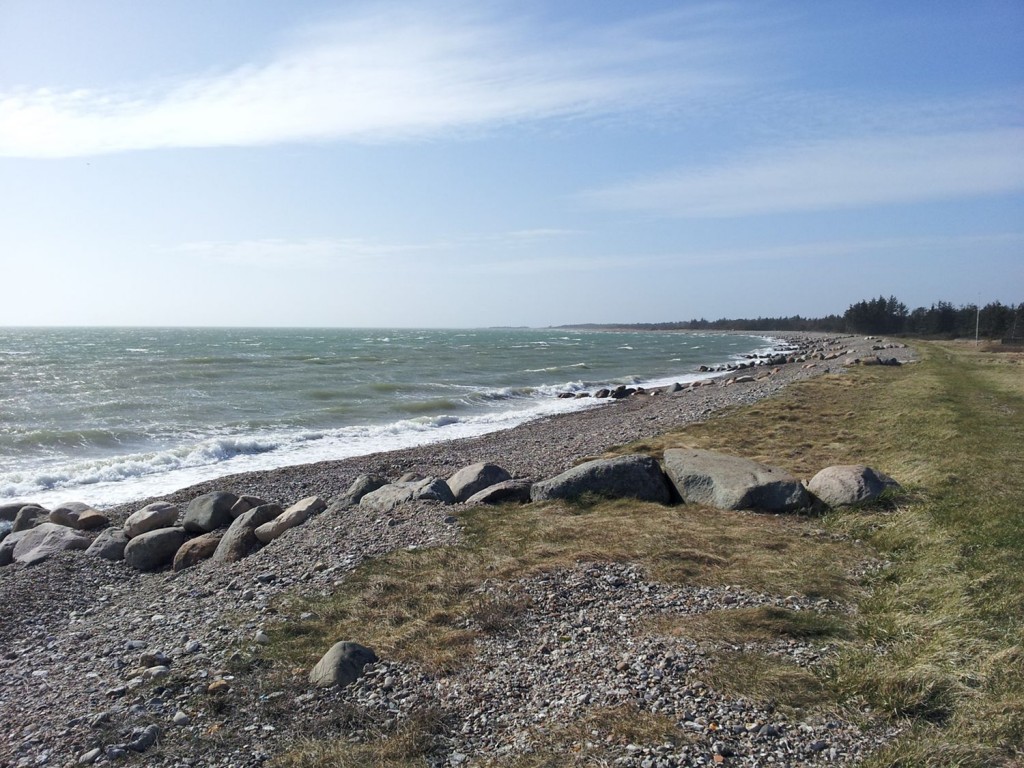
x: 883, y: 315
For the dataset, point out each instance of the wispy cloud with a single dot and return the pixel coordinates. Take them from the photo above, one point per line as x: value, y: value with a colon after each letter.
x: 349, y: 252
x: 834, y: 173
x: 391, y: 74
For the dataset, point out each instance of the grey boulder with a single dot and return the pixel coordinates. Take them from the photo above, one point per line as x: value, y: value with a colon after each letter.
x: 208, y: 512
x: 155, y: 549
x: 296, y: 514
x: 389, y: 497
x: 244, y: 504
x: 45, y: 540
x: 847, y: 484
x: 159, y: 514
x: 474, y: 478
x: 29, y: 517
x: 731, y: 482
x: 240, y: 540
x: 361, y: 486
x: 109, y: 545
x: 9, y: 512
x: 7, y: 545
x: 341, y: 665
x: 623, y: 477
x: 499, y: 493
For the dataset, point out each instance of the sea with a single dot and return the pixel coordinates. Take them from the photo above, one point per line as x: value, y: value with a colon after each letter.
x: 112, y: 415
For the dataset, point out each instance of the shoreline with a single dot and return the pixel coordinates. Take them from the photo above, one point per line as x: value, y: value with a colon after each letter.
x: 537, y: 448
x: 80, y: 632
x: 208, y: 450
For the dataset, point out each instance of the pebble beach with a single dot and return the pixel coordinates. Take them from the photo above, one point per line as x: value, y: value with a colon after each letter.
x: 97, y: 659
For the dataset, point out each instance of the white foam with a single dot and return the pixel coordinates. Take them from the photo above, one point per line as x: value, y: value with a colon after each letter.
x: 117, y: 480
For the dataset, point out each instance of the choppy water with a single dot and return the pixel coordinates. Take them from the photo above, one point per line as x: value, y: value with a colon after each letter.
x: 111, y: 415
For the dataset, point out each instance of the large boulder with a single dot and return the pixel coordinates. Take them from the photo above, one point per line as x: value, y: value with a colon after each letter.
x: 208, y: 512
x: 45, y: 540
x: 499, y: 493
x: 155, y: 549
x: 623, y: 477
x: 29, y: 517
x: 109, y: 545
x: 194, y: 551
x: 474, y: 478
x: 846, y: 484
x: 731, y: 482
x: 341, y: 665
x: 79, y: 516
x: 394, y: 495
x: 9, y: 512
x: 7, y: 546
x: 296, y: 514
x: 159, y: 514
x: 245, y: 503
x: 361, y: 486
x: 240, y: 540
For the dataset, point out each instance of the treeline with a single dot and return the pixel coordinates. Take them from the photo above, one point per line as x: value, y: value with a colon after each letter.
x: 891, y: 316
x: 887, y: 316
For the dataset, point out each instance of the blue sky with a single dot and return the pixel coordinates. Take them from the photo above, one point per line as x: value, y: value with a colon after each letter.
x: 454, y: 164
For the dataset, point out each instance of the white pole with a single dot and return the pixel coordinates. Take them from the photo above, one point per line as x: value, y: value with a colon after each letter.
x: 977, y: 321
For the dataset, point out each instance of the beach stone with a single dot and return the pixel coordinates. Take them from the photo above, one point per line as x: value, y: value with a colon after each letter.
x: 732, y: 482
x: 154, y: 549
x: 7, y: 546
x: 624, y: 477
x: 208, y: 512
x: 499, y: 493
x: 159, y: 514
x: 474, y: 478
x: 846, y: 484
x: 79, y: 516
x: 194, y: 551
x: 393, y: 495
x: 29, y: 517
x: 144, y: 738
x: 244, y: 504
x: 296, y: 514
x: 341, y: 665
x: 361, y: 486
x: 109, y: 545
x: 9, y: 512
x: 45, y: 540
x: 240, y: 540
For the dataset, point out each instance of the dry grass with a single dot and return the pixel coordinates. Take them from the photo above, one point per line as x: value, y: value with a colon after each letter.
x: 938, y: 640
x: 424, y: 606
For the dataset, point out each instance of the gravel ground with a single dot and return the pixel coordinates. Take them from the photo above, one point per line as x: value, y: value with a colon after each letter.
x: 92, y: 653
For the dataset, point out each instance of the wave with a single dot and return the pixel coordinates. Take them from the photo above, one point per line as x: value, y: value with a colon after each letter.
x: 120, y: 479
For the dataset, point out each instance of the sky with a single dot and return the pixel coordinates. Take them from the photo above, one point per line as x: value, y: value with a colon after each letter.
x: 470, y: 164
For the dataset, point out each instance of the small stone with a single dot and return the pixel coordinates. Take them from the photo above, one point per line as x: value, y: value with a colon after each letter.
x: 180, y: 718
x: 218, y: 686
x: 262, y: 638
x: 90, y: 757
x: 145, y: 739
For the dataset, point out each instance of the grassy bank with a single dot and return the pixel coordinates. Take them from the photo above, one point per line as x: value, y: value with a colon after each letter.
x: 936, y: 573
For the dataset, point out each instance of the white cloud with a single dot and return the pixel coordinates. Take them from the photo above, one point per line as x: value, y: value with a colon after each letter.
x: 394, y: 74
x: 834, y: 174
x: 478, y: 250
